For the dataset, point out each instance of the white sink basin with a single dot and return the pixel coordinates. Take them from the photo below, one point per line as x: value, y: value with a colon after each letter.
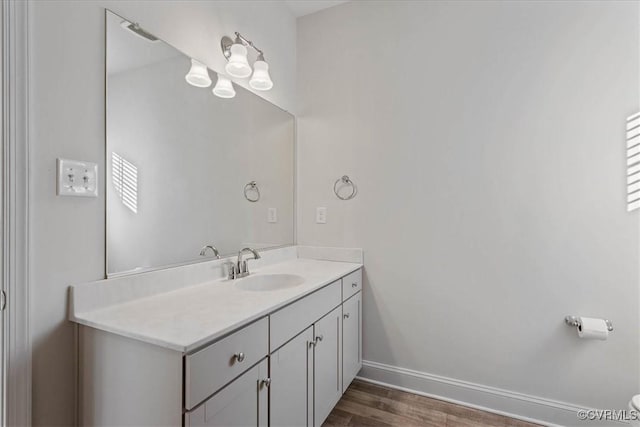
x: 269, y: 282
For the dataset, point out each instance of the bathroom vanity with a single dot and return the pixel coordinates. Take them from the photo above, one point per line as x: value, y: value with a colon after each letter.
x: 223, y: 352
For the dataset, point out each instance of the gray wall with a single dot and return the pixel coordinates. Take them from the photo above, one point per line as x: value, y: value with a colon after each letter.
x: 487, y: 140
x: 67, y: 120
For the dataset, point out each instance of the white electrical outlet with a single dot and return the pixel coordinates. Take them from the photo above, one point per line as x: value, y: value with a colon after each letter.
x: 321, y: 215
x: 272, y: 215
x: 77, y: 178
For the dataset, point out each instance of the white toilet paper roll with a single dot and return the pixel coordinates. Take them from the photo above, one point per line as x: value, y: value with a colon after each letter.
x: 595, y: 329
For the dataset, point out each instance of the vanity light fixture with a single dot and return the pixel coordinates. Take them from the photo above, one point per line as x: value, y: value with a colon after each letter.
x: 198, y: 75
x: 224, y: 87
x: 261, y: 80
x: 236, y: 53
x: 238, y: 65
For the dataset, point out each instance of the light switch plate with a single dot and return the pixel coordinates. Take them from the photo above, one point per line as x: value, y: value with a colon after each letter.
x: 77, y: 178
x: 272, y: 215
x: 321, y: 215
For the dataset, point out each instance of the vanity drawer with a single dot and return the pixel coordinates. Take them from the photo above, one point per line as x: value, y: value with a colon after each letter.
x: 296, y: 317
x: 351, y: 284
x: 211, y: 368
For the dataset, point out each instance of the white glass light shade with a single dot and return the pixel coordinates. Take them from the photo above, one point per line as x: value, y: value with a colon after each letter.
x: 224, y: 88
x: 238, y: 65
x: 261, y: 79
x: 198, y: 75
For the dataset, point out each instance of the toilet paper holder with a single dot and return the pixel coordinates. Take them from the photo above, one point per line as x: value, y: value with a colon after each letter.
x: 575, y: 321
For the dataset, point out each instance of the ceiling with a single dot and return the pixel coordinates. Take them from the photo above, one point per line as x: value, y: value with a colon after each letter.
x: 305, y: 7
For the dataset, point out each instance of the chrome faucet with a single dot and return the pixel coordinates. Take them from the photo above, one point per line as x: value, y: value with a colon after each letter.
x: 215, y: 251
x: 240, y: 268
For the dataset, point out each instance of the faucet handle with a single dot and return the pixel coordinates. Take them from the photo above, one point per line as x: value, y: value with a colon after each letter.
x: 232, y: 271
x: 242, y: 267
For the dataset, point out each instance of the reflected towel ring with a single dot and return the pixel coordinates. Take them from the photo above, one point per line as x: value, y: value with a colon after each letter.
x: 345, y: 180
x: 252, y: 186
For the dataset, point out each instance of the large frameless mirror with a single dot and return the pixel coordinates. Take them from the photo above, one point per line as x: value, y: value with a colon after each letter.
x: 186, y: 168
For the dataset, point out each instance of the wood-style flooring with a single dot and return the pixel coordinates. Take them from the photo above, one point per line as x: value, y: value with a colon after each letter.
x: 366, y: 404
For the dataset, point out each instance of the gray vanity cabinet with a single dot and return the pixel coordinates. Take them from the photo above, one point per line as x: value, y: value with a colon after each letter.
x: 306, y: 374
x: 351, y: 339
x: 327, y: 365
x: 311, y: 371
x: 242, y: 403
x: 291, y: 391
x: 307, y: 369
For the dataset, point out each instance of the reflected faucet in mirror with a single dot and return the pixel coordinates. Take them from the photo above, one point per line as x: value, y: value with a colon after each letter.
x: 215, y: 251
x: 240, y: 268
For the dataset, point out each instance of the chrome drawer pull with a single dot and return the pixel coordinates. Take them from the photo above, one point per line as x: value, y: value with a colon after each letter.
x: 266, y: 382
x: 346, y: 315
x: 354, y: 285
x: 319, y: 338
x: 312, y: 344
x: 239, y: 356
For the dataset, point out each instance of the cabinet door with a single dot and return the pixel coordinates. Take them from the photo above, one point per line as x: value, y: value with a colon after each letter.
x: 351, y: 339
x: 291, y: 392
x: 242, y: 403
x: 327, y: 364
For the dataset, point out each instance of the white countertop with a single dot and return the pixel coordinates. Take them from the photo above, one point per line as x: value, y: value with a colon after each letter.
x: 188, y: 318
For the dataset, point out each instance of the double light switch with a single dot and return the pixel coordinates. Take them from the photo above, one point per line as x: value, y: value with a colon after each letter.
x: 77, y: 178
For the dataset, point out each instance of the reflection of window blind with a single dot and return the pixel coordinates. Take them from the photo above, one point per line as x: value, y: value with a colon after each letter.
x: 125, y: 179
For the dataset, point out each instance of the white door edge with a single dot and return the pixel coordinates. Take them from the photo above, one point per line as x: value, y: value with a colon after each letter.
x: 16, y: 345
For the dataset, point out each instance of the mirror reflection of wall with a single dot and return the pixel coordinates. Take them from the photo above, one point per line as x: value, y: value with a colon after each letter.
x: 178, y: 159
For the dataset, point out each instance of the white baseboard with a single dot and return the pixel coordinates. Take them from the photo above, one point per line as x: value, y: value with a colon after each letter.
x: 490, y: 399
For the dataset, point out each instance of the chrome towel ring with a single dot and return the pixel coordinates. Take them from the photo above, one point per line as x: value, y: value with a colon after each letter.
x: 252, y: 186
x: 345, y: 181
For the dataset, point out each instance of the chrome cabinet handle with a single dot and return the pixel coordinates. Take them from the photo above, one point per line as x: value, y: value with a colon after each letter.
x: 239, y: 356
x: 266, y: 382
x: 346, y: 315
x: 354, y: 285
x: 311, y: 344
x: 319, y: 338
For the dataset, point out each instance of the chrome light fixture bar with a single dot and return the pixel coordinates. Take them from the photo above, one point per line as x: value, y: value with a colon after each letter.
x: 238, y: 65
